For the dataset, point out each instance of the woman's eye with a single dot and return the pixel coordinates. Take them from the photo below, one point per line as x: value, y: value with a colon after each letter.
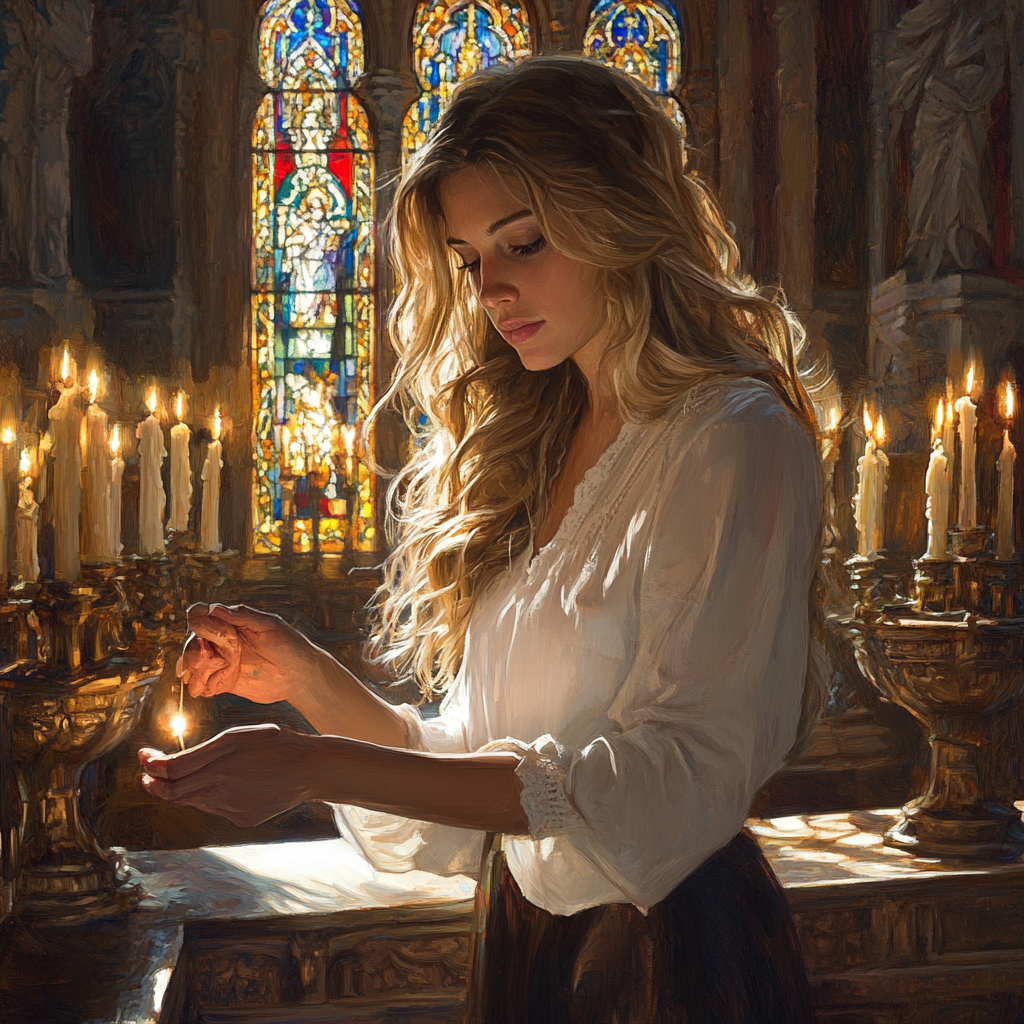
x: 470, y: 266
x: 530, y: 247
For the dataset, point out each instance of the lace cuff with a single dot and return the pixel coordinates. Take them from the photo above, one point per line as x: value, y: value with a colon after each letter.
x: 542, y: 769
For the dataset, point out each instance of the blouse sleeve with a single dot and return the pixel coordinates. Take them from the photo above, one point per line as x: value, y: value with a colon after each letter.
x: 711, y: 704
x: 391, y: 842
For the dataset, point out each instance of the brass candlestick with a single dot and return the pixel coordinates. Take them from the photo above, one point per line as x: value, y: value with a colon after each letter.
x: 954, y: 677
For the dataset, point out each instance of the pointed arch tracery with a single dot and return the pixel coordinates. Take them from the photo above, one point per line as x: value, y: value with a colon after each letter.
x: 451, y: 40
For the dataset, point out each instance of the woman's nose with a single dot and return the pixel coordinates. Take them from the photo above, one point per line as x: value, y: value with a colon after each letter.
x: 495, y: 289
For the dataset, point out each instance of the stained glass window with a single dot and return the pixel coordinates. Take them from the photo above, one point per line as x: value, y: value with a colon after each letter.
x: 312, y: 274
x: 644, y: 39
x: 452, y: 40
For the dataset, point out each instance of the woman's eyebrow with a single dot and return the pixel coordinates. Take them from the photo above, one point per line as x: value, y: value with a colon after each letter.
x: 496, y: 225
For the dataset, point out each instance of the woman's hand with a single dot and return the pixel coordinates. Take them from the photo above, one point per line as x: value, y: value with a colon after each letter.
x: 240, y: 650
x: 246, y: 774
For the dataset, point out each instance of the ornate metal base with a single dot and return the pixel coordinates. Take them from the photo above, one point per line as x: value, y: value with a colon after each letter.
x: 999, y: 835
x: 73, y: 909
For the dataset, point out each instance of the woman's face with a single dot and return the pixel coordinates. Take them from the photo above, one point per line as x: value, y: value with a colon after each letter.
x: 544, y: 304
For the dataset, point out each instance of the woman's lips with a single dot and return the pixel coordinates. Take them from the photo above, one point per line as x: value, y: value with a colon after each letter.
x: 518, y: 331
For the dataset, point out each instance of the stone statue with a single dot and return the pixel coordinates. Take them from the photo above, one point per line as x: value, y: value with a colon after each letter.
x: 48, y: 46
x: 949, y: 65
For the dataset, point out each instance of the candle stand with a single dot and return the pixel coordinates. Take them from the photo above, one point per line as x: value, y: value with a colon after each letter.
x: 954, y: 662
x: 67, y: 708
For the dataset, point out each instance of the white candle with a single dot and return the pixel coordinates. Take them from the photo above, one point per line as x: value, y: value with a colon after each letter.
x: 1007, y: 457
x: 116, y: 473
x: 181, y: 473
x: 210, y: 529
x: 967, y: 412
x: 151, y: 487
x: 27, y: 558
x: 65, y: 428
x: 869, y: 502
x: 939, y: 488
x: 97, y: 475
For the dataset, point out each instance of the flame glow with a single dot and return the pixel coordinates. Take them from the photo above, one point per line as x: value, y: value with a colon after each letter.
x: 350, y: 439
x: 940, y: 415
x: 1009, y: 400
x: 152, y: 400
x: 179, y: 408
x: 868, y: 426
x: 115, y: 440
x: 94, y: 385
x: 179, y: 725
x: 216, y: 423
x: 880, y: 430
x: 833, y: 418
x: 65, y: 366
x: 26, y: 462
x: 970, y: 379
x: 8, y: 436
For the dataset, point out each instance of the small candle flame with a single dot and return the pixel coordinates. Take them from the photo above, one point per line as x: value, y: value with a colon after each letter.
x: 949, y: 411
x: 940, y: 415
x: 350, y: 439
x: 880, y: 430
x: 179, y: 408
x: 179, y: 725
x: 65, y: 366
x: 868, y: 426
x: 26, y: 462
x: 1009, y: 401
x: 216, y: 423
x: 115, y: 440
x: 8, y: 436
x: 94, y: 385
x: 833, y: 418
x: 970, y: 379
x: 152, y: 400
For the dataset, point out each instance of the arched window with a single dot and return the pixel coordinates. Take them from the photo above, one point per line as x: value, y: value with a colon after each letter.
x: 451, y: 40
x: 644, y: 39
x: 312, y: 279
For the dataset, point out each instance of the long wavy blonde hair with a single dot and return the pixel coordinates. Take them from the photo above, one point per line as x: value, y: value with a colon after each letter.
x: 604, y: 171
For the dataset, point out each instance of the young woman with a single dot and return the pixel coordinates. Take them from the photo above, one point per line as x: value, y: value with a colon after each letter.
x: 603, y: 557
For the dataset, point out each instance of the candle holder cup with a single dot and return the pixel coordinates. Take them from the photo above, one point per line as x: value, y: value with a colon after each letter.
x: 953, y: 676
x: 877, y: 581
x: 969, y: 542
x: 935, y: 585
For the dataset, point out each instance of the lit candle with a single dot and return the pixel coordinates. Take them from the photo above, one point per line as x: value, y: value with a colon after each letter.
x: 967, y: 412
x: 7, y: 438
x: 949, y: 428
x: 97, y: 469
x: 350, y: 440
x: 65, y: 427
x: 939, y: 488
x: 210, y: 527
x: 869, y: 502
x: 116, y: 473
x: 151, y: 487
x: 1007, y: 457
x: 27, y: 558
x: 181, y: 472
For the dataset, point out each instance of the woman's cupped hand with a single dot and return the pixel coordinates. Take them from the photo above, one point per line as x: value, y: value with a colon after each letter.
x: 247, y: 774
x: 236, y: 649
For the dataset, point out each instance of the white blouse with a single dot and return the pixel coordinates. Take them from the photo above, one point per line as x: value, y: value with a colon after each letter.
x: 648, y: 663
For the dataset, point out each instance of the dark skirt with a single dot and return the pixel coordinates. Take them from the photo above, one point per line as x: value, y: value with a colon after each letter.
x: 721, y: 948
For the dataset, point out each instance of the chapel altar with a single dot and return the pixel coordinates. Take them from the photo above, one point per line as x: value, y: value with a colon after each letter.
x: 193, y: 303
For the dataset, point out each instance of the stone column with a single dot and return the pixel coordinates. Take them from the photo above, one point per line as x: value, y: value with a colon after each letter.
x: 794, y: 26
x: 735, y: 146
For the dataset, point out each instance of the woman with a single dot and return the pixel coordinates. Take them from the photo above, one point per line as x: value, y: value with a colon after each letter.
x: 603, y: 556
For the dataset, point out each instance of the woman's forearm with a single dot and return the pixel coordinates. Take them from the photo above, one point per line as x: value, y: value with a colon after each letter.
x: 336, y: 703
x: 478, y: 791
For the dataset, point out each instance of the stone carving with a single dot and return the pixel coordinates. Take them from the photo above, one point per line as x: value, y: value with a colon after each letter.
x: 949, y: 65
x: 47, y: 47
